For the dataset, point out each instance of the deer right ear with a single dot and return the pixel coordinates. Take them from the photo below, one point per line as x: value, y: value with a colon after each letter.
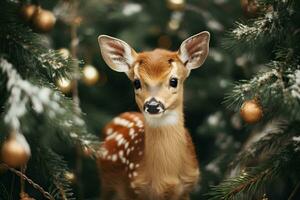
x: 117, y: 54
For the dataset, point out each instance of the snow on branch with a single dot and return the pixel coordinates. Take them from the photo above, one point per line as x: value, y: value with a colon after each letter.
x: 23, y: 92
x: 43, y: 100
x: 253, y: 31
x: 295, y: 87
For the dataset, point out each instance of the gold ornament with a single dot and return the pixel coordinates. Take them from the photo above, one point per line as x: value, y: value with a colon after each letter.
x: 64, y: 85
x: 90, y: 75
x: 27, y: 11
x: 250, y: 7
x: 15, y: 151
x: 251, y: 111
x: 64, y: 52
x: 43, y: 20
x: 70, y: 176
x: 176, y: 4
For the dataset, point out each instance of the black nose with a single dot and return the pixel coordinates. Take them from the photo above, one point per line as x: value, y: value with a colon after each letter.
x: 153, y: 106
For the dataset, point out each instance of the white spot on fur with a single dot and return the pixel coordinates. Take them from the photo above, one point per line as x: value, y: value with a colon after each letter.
x: 109, y: 131
x: 166, y: 119
x: 114, y: 158
x: 131, y: 165
x: 126, y: 145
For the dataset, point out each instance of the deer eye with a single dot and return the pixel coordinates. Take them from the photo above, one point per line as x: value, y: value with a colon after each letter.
x: 137, y: 84
x: 173, y: 82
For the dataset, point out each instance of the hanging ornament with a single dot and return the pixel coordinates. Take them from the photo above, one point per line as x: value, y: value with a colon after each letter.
x: 43, y: 20
x: 64, y: 85
x: 27, y: 11
x: 64, y: 52
x: 90, y: 75
x: 25, y: 196
x: 250, y: 7
x: 176, y: 4
x: 15, y: 151
x: 251, y: 111
x: 175, y: 21
x: 70, y: 176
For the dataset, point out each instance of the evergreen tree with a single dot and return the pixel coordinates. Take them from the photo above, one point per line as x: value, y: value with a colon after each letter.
x: 43, y: 92
x: 268, y: 165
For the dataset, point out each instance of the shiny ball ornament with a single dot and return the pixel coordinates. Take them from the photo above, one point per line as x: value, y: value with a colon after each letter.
x: 15, y: 151
x: 70, y: 176
x: 251, y: 111
x: 64, y: 52
x: 43, y: 20
x: 250, y: 7
x: 90, y: 75
x: 176, y: 4
x: 27, y: 11
x: 64, y: 85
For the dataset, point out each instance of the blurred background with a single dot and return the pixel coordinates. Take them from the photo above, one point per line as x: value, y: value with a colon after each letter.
x: 217, y: 132
x: 147, y: 25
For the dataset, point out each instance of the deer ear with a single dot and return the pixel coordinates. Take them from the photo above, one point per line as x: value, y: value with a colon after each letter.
x: 194, y: 50
x: 117, y: 54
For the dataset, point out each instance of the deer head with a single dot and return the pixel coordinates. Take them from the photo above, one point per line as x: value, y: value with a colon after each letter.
x: 157, y: 75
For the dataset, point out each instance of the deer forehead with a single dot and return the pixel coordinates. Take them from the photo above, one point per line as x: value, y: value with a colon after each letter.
x: 157, y: 65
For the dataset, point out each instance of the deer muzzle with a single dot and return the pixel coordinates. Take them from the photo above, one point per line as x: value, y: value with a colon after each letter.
x: 153, y: 106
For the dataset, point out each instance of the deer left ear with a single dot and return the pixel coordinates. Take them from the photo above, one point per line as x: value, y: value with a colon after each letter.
x: 194, y: 50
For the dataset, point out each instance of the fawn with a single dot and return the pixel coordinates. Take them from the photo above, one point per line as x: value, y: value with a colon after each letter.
x: 150, y: 155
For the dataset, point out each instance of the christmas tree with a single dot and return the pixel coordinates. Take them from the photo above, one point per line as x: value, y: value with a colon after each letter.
x: 57, y: 93
x: 268, y: 164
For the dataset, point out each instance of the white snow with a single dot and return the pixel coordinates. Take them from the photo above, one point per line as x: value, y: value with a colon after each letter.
x: 21, y: 93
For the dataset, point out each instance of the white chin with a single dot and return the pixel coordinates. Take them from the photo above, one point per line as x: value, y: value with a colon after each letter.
x: 166, y: 118
x: 158, y: 115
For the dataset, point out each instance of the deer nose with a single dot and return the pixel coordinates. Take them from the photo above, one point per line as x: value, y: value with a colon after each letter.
x: 153, y: 106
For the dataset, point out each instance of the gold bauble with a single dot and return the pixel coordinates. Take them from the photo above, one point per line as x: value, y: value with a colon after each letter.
x: 250, y: 7
x: 90, y: 75
x: 70, y: 176
x: 43, y: 20
x: 27, y: 11
x: 176, y: 4
x: 251, y: 111
x: 64, y: 85
x: 64, y: 52
x: 15, y: 152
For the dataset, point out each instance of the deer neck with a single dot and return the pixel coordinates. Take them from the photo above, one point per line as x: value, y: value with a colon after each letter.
x: 165, y: 144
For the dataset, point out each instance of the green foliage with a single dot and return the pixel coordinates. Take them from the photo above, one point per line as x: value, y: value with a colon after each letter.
x: 276, y: 89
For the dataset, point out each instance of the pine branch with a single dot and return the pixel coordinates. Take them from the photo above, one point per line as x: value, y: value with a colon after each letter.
x: 55, y: 168
x: 269, y: 26
x: 272, y: 141
x: 25, y: 48
x: 272, y: 86
x: 251, y: 180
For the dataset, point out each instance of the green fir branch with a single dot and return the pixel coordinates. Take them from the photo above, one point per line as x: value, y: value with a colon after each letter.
x: 54, y: 167
x: 251, y: 180
x: 23, y: 47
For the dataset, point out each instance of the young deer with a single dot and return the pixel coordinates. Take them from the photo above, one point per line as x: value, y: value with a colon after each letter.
x: 150, y: 155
